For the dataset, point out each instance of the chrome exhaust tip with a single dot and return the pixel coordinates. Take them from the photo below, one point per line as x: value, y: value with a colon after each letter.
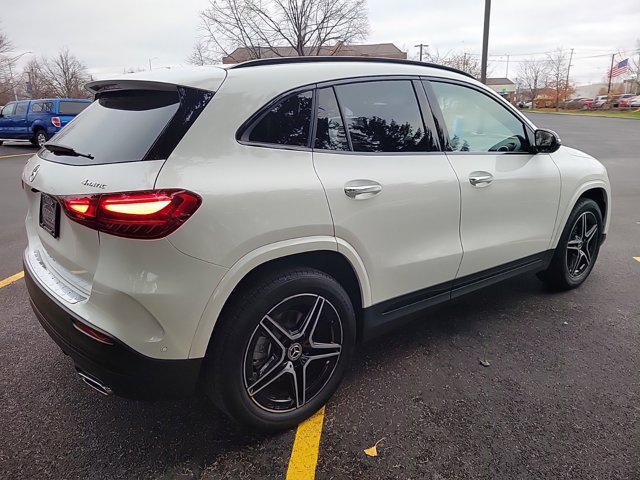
x: 94, y: 384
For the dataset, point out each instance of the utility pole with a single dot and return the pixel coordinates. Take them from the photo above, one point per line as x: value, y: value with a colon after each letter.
x: 420, y: 47
x: 506, y: 74
x: 613, y: 55
x: 485, y: 41
x: 638, y: 74
x: 566, y: 83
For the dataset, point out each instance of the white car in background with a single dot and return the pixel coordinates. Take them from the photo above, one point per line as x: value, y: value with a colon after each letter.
x: 241, y: 229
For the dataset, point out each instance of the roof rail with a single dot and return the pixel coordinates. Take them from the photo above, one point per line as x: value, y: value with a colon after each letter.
x: 337, y: 59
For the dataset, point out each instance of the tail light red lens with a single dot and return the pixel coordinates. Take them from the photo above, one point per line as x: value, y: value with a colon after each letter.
x: 145, y: 215
x: 93, y: 333
x: 56, y: 122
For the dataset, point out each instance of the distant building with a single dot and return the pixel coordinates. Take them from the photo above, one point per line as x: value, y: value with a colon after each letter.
x: 505, y: 87
x: 386, y: 50
x: 590, y: 90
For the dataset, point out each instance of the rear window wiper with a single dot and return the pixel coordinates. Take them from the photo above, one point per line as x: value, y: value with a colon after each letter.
x: 68, y: 151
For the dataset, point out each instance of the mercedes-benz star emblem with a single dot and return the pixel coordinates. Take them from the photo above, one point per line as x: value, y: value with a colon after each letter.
x: 295, y: 350
x: 34, y: 172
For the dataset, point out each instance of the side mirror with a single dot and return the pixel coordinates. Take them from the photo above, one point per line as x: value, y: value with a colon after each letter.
x: 547, y: 141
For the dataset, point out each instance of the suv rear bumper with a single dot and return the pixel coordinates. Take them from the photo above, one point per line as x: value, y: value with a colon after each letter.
x: 122, y: 370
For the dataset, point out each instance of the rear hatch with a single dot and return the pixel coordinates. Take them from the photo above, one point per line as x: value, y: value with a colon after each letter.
x: 118, y: 144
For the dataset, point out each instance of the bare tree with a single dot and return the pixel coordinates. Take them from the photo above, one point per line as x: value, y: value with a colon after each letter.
x: 462, y: 61
x: 262, y: 26
x: 532, y: 76
x: 7, y: 81
x: 200, y: 55
x: 634, y: 69
x: 557, y: 67
x: 62, y: 76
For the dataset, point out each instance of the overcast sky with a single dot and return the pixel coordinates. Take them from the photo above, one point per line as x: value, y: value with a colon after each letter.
x: 110, y: 36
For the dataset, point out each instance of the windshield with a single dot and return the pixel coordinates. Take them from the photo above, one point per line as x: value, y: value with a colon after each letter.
x: 120, y: 126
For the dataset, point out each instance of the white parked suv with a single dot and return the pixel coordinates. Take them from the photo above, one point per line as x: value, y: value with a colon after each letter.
x: 240, y: 229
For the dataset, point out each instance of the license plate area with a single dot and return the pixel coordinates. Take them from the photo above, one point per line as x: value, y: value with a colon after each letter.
x: 50, y: 215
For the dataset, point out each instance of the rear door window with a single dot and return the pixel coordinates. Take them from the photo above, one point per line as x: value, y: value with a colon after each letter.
x: 383, y: 116
x: 120, y: 126
x: 66, y: 107
x: 21, y: 108
x: 36, y: 107
x: 287, y: 123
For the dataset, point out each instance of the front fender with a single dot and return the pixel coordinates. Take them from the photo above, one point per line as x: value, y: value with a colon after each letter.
x: 567, y: 207
x: 259, y: 256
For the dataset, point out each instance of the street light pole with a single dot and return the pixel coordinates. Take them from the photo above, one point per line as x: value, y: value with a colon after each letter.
x: 485, y: 41
x: 13, y: 85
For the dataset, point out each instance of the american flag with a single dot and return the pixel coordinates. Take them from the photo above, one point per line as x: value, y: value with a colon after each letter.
x: 620, y: 68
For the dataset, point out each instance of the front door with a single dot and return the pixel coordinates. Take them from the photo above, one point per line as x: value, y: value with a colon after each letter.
x: 509, y: 195
x: 6, y: 119
x: 392, y: 195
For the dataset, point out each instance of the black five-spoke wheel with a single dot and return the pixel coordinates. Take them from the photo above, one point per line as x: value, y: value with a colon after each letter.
x: 577, y: 248
x: 282, y: 348
x: 582, y: 244
x: 292, y: 352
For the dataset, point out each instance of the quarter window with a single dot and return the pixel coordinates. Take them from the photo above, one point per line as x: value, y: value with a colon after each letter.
x: 383, y: 116
x: 287, y: 123
x: 330, y: 132
x: 477, y: 123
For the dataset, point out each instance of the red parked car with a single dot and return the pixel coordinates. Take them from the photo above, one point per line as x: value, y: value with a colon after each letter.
x: 627, y: 101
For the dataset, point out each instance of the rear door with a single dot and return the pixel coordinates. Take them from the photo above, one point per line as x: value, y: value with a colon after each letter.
x: 123, y: 133
x: 510, y: 196
x: 393, y: 195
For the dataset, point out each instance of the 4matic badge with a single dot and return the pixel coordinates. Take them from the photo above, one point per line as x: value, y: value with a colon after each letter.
x: 88, y: 183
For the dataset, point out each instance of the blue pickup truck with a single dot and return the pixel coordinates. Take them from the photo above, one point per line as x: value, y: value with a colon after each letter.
x: 38, y: 120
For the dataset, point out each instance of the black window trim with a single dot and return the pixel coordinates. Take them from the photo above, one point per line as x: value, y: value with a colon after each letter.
x: 439, y: 117
x: 242, y: 134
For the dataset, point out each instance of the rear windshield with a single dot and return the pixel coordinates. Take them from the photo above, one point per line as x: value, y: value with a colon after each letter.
x: 120, y: 126
x: 71, y: 108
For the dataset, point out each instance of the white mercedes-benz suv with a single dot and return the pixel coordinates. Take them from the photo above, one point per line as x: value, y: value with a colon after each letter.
x: 238, y: 230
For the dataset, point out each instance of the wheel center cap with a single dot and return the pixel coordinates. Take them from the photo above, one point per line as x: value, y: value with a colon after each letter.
x: 294, y: 352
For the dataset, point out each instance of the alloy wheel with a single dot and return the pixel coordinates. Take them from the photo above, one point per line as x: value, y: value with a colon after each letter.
x: 292, y: 353
x: 582, y: 244
x: 41, y: 139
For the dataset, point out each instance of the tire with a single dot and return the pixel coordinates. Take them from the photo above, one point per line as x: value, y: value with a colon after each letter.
x: 267, y: 337
x: 39, y: 138
x: 577, y: 251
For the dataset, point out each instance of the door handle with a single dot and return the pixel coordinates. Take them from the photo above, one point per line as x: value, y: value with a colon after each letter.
x: 480, y: 179
x: 362, y: 189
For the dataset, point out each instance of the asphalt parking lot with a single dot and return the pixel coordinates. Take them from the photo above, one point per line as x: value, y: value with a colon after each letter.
x: 559, y: 400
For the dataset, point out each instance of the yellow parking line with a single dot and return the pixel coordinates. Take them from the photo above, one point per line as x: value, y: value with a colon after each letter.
x: 304, y: 454
x: 11, y: 279
x: 636, y: 258
x: 16, y: 155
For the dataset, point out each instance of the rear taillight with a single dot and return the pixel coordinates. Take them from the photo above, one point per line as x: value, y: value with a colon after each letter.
x: 56, y: 122
x: 145, y: 215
